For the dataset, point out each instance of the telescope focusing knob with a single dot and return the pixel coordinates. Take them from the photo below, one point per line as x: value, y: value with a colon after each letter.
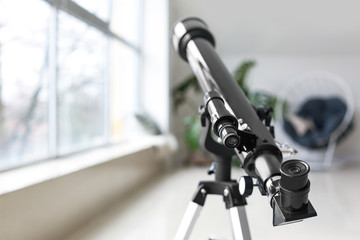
x: 246, y: 186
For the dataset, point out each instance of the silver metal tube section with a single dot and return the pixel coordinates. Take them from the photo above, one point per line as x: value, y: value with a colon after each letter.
x: 239, y: 223
x: 188, y: 221
x: 267, y: 165
x: 213, y: 75
x: 200, y: 68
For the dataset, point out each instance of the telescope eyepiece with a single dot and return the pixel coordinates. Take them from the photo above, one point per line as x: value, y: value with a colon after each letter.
x: 291, y: 204
x: 294, y: 174
x: 294, y: 184
x: 229, y: 136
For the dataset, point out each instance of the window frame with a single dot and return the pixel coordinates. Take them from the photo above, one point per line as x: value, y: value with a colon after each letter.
x: 90, y: 19
x: 80, y: 13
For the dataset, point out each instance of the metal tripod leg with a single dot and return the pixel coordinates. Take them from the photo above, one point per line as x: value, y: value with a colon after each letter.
x: 239, y: 223
x: 188, y: 221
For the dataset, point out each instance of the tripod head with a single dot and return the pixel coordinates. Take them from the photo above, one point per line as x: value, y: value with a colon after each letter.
x: 239, y: 126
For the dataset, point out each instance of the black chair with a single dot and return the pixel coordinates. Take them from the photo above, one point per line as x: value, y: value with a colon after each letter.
x: 316, y: 112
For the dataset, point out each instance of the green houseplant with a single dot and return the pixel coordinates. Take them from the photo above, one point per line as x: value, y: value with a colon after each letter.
x: 191, y: 122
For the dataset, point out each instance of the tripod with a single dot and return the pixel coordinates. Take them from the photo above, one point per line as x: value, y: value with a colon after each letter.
x: 223, y: 185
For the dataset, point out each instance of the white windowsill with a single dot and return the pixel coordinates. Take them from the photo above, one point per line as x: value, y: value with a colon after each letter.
x: 50, y: 199
x: 16, y: 179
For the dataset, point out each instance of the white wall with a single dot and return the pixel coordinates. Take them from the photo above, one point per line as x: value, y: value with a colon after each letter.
x: 286, y: 38
x: 279, y: 26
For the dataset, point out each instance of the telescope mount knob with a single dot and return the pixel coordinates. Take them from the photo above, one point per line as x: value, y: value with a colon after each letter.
x: 246, y: 186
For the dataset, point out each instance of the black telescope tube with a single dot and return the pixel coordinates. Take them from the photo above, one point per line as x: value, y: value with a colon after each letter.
x: 195, y: 44
x: 191, y: 38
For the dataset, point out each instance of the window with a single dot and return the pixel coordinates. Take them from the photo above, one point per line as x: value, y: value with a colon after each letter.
x: 70, y: 73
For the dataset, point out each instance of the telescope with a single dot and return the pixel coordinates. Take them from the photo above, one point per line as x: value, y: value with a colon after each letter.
x: 230, y: 126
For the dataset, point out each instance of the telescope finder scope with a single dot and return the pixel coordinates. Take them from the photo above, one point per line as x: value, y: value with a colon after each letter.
x: 223, y: 122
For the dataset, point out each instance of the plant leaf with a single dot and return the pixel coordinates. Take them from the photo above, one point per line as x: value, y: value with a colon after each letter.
x: 179, y: 92
x: 241, y: 74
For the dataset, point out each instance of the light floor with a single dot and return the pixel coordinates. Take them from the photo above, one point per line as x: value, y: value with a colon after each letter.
x: 156, y: 211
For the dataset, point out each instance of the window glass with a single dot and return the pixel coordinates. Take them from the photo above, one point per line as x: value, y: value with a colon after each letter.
x: 124, y: 85
x: 126, y: 20
x: 23, y: 81
x: 66, y: 86
x: 82, y: 58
